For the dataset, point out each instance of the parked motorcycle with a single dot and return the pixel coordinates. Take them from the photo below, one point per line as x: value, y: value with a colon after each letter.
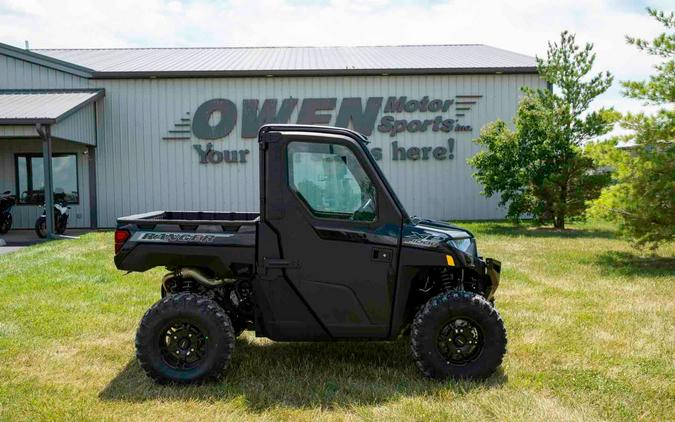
x: 7, y: 201
x: 60, y: 219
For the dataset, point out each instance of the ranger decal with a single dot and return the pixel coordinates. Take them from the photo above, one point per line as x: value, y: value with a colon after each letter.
x: 169, y: 237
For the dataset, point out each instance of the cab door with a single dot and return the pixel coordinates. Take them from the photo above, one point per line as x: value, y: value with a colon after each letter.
x: 338, y: 230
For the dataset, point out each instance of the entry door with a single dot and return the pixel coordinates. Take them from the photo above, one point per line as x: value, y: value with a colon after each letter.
x: 339, y: 231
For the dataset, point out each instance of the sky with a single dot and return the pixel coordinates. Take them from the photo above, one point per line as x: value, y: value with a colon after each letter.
x: 523, y: 26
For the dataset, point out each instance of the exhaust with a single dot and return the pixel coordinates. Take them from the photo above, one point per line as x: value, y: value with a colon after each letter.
x: 196, y: 275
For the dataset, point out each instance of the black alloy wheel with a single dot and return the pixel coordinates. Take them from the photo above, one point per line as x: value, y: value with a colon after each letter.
x: 460, y: 341
x: 183, y: 344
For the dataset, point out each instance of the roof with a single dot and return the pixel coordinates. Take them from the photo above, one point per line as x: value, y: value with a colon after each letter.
x: 25, y: 107
x: 280, y: 61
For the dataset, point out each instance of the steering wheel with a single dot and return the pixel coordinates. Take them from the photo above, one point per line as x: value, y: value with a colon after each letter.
x: 365, y: 206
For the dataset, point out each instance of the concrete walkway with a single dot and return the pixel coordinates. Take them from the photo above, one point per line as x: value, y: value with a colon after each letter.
x: 20, y: 238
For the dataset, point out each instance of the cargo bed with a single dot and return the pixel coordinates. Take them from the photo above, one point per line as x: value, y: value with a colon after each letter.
x: 221, y: 241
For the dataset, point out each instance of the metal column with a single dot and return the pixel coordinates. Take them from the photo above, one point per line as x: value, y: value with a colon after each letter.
x: 46, y: 135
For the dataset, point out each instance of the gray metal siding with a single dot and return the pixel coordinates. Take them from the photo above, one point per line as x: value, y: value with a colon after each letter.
x: 138, y: 171
x: 79, y: 127
x: 19, y: 74
x: 17, y: 131
x: 25, y: 215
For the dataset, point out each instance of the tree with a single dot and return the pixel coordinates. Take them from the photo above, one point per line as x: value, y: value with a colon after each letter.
x: 643, y: 190
x: 539, y: 168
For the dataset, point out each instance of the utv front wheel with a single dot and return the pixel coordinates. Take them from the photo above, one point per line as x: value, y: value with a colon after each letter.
x: 458, y: 335
x: 184, y: 338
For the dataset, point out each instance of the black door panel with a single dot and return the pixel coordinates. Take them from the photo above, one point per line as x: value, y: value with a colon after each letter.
x: 341, y: 229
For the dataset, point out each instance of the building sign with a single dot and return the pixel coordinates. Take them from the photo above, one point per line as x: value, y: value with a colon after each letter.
x: 217, y: 118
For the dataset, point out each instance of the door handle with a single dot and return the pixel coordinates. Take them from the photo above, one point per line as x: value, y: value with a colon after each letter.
x: 382, y: 254
x: 280, y: 263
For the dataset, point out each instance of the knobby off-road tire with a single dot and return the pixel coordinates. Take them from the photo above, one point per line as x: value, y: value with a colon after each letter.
x: 458, y: 335
x: 184, y: 338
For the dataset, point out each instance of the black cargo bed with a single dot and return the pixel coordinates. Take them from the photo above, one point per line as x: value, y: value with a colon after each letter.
x: 192, y: 217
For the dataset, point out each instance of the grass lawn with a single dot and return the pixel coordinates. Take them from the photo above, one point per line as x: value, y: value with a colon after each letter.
x: 591, y: 328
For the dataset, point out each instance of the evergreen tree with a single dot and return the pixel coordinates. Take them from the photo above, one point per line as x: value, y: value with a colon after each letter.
x: 539, y: 168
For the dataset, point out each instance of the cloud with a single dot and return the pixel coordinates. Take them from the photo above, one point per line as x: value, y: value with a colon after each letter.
x: 523, y: 26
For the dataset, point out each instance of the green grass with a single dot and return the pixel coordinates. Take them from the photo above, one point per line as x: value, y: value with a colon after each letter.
x: 591, y: 327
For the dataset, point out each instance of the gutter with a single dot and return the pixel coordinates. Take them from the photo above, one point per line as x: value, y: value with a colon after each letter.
x: 313, y: 72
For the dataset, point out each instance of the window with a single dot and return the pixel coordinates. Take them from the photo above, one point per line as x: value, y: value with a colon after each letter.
x: 30, y: 181
x: 331, y: 181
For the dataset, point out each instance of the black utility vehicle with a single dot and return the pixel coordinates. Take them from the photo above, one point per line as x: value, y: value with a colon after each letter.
x: 331, y: 256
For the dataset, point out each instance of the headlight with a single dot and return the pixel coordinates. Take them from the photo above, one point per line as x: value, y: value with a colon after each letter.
x: 466, y: 245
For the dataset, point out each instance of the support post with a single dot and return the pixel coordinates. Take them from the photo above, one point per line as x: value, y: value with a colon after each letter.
x: 46, y: 135
x: 93, y: 212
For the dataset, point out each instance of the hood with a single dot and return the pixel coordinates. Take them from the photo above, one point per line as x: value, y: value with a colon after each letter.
x: 432, y: 234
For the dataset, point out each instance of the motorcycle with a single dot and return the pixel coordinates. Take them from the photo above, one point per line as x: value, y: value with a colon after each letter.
x: 7, y: 201
x: 60, y: 219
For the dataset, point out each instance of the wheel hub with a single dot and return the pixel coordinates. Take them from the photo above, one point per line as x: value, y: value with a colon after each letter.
x: 182, y: 345
x: 460, y: 341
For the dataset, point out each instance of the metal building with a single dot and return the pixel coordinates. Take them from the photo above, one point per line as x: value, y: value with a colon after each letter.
x: 134, y: 130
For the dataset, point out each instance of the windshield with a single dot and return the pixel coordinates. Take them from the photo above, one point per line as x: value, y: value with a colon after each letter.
x: 378, y: 170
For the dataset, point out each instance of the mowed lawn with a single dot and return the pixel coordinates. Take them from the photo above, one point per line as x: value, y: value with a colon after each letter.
x: 591, y: 328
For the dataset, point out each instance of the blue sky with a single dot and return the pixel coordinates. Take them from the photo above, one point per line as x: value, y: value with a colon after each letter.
x: 523, y: 26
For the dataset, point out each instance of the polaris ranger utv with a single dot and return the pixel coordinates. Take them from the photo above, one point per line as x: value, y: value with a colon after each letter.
x: 333, y: 255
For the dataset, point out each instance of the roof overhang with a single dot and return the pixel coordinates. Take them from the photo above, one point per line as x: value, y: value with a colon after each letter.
x: 314, y: 72
x: 43, y: 106
x: 86, y: 72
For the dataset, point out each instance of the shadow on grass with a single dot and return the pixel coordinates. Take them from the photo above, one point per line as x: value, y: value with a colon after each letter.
x: 542, y: 232
x: 626, y: 263
x: 301, y: 375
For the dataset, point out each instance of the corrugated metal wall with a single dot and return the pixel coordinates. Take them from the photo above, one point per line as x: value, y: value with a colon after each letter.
x: 18, y: 131
x: 137, y: 171
x: 79, y: 126
x: 24, y: 216
x: 18, y: 74
x: 151, y: 173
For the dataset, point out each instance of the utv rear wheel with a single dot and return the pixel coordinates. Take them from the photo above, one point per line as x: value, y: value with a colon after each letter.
x: 458, y: 335
x: 184, y: 338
